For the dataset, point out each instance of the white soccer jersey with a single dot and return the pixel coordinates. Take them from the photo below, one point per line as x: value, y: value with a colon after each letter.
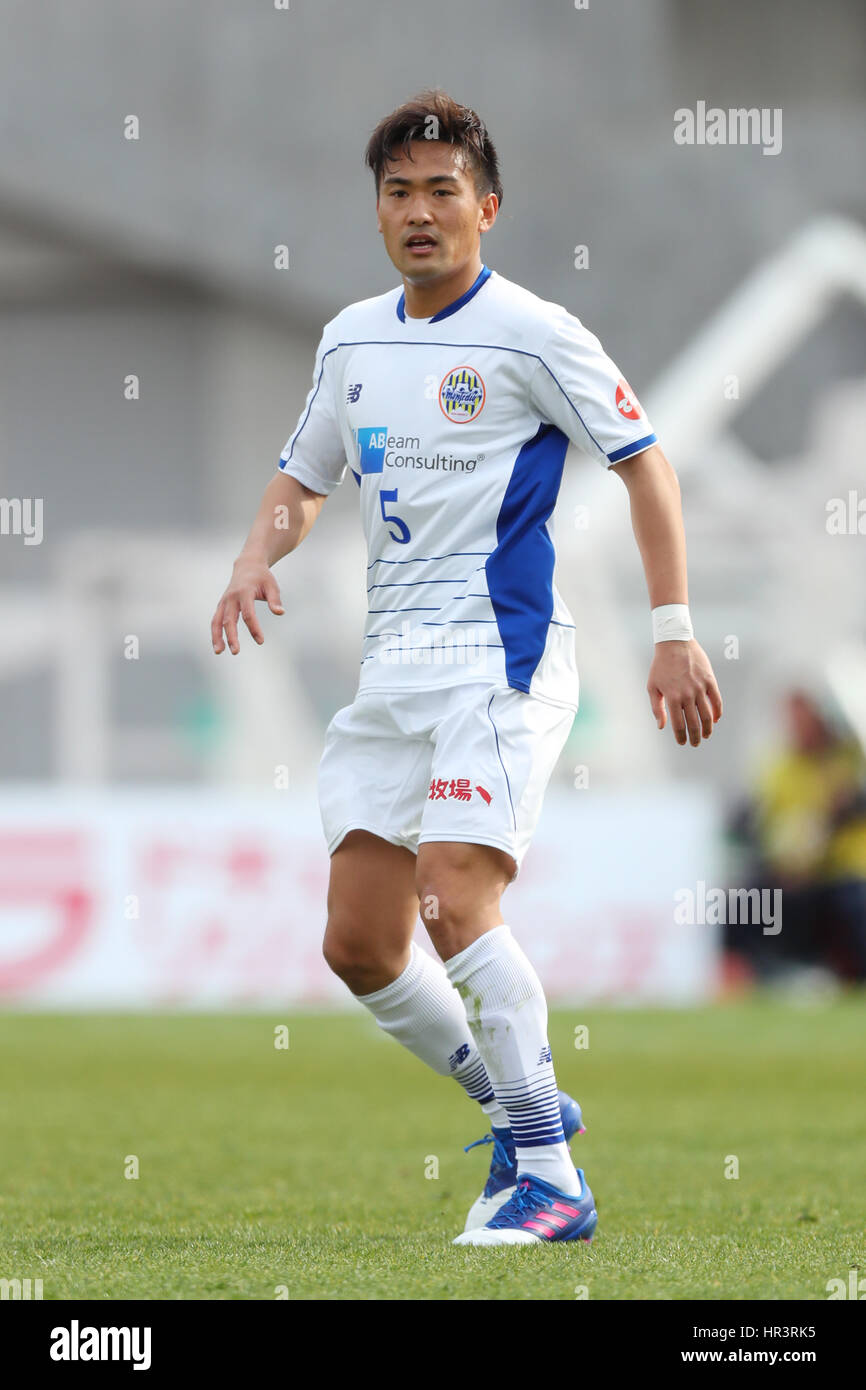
x: 455, y: 429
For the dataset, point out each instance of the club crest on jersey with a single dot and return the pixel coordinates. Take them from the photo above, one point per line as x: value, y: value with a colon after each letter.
x: 462, y: 395
x: 627, y: 402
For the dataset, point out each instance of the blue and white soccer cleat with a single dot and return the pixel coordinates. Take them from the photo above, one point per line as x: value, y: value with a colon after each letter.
x: 538, y: 1212
x: 502, y: 1179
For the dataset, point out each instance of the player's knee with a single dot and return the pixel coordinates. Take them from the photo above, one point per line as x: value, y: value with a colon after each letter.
x: 456, y: 882
x: 340, y: 951
x: 449, y: 905
x: 442, y: 904
x: 355, y: 961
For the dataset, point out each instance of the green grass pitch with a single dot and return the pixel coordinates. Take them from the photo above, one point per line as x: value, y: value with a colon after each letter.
x: 304, y: 1169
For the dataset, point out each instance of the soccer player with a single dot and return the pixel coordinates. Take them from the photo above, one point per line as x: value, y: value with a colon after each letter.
x: 452, y: 401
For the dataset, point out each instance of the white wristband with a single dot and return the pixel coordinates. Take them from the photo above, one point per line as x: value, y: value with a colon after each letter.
x: 671, y: 623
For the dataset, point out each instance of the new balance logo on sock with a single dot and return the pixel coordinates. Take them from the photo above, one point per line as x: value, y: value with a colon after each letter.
x: 459, y: 1057
x: 545, y: 1055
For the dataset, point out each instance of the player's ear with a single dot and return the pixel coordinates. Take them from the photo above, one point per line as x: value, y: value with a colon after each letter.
x: 489, y: 209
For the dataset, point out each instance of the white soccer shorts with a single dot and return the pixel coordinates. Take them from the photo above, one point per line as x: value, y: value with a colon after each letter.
x: 469, y: 762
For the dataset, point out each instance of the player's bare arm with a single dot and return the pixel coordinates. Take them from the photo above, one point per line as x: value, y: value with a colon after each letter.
x: 287, y: 513
x: 681, y: 680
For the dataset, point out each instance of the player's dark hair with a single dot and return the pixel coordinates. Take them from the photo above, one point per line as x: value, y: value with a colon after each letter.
x: 435, y: 111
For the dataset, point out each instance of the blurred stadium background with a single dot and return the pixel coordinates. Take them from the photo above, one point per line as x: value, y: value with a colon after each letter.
x: 159, y: 834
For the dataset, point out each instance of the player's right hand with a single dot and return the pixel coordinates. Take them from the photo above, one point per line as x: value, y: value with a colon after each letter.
x: 251, y: 580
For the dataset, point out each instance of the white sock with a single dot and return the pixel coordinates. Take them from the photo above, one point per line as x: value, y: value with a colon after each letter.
x: 423, y: 1011
x: 507, y: 1015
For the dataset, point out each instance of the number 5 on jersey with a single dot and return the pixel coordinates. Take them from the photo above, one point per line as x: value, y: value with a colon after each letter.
x: 390, y: 495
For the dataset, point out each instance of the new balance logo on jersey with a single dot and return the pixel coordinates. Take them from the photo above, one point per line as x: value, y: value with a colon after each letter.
x: 353, y: 393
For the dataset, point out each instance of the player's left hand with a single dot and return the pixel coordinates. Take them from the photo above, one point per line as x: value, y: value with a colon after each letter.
x: 681, y: 682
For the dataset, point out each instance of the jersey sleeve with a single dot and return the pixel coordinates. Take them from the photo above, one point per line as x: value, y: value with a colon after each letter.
x: 577, y: 387
x: 315, y: 453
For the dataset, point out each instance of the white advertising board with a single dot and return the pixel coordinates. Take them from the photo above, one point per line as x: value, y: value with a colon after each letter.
x: 191, y: 899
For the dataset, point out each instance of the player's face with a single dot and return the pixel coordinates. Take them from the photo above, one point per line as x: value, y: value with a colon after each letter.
x: 430, y: 212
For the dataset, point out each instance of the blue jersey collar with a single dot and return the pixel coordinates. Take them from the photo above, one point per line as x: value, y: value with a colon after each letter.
x: 449, y: 308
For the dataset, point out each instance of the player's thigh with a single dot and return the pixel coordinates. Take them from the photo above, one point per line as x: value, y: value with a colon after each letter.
x: 372, y: 902
x: 373, y: 772
x: 494, y: 756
